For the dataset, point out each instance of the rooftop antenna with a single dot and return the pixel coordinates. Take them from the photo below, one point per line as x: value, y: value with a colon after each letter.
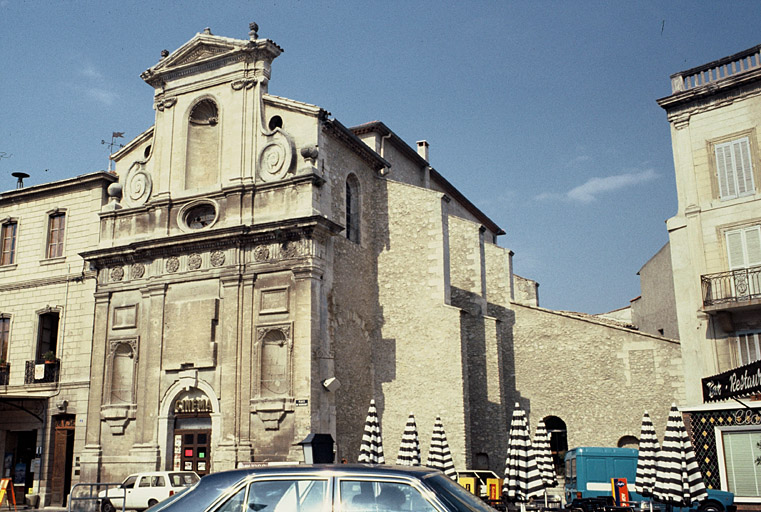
x: 112, y: 144
x: 20, y: 177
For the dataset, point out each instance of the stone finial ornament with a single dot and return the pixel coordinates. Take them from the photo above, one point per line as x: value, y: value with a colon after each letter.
x: 310, y: 154
x: 164, y: 54
x: 207, y: 31
x: 253, y: 31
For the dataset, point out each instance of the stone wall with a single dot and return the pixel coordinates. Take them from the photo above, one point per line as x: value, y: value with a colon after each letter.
x: 599, y: 379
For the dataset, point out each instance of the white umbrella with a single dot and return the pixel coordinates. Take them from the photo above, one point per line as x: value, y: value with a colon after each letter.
x: 543, y: 454
x: 439, y: 456
x: 371, y: 450
x: 677, y: 478
x: 648, y: 453
x: 522, y: 478
x: 409, y: 449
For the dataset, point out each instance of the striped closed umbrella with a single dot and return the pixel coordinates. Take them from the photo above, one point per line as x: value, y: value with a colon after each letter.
x: 677, y: 476
x: 543, y: 454
x: 409, y: 449
x: 439, y: 456
x: 648, y: 452
x: 371, y: 450
x: 522, y: 478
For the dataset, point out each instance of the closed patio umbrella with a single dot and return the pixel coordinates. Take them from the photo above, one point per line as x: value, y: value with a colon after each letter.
x: 543, y: 454
x: 371, y: 450
x: 409, y: 449
x: 522, y: 478
x: 678, y: 480
x: 648, y: 453
x: 439, y: 455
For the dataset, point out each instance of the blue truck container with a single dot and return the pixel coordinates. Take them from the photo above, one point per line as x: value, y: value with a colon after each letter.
x: 589, y: 470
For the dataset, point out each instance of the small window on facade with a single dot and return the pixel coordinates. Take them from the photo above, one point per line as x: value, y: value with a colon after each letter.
x: 47, y: 336
x: 5, y: 331
x: 628, y: 442
x: 8, y: 243
x: 744, y: 247
x: 734, y: 169
x: 56, y: 227
x: 352, y: 209
x: 748, y: 348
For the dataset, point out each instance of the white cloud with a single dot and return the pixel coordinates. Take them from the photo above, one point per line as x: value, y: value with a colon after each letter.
x: 90, y: 72
x: 102, y: 95
x: 594, y: 187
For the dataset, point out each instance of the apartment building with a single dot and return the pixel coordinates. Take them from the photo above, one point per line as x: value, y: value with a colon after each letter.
x: 46, y: 321
x: 715, y: 241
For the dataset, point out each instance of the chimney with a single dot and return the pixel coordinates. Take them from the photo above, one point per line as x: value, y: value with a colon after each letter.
x: 422, y: 149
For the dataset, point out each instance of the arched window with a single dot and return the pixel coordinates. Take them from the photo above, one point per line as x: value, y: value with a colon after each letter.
x: 202, y: 156
x: 558, y: 441
x: 628, y: 442
x: 352, y: 209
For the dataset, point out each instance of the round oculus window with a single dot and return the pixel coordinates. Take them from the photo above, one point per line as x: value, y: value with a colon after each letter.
x: 200, y: 216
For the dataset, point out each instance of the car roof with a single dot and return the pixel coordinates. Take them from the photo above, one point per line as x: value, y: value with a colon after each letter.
x: 358, y: 470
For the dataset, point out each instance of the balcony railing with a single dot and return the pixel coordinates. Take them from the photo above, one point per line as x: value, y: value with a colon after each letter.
x: 717, y: 70
x: 37, y: 372
x: 735, y: 286
x: 5, y: 371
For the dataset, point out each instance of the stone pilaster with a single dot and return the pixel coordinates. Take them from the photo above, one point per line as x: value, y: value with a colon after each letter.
x: 146, y: 448
x: 92, y: 454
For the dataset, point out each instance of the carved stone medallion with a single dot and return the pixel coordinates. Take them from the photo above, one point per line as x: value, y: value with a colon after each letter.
x: 137, y: 271
x: 217, y: 258
x: 261, y: 253
x: 172, y: 264
x: 289, y: 249
x: 117, y: 274
x: 194, y: 261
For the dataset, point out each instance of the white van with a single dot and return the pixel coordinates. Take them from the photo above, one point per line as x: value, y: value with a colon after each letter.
x: 143, y: 490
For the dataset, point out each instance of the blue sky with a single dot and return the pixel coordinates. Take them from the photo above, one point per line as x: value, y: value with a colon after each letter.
x: 542, y: 113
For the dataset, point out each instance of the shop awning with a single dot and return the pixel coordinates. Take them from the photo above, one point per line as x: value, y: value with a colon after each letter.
x: 740, y: 382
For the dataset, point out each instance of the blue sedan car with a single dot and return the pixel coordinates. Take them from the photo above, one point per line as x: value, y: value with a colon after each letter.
x: 325, y: 488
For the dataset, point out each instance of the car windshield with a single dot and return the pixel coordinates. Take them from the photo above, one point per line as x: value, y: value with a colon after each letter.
x: 183, y: 479
x: 455, y: 495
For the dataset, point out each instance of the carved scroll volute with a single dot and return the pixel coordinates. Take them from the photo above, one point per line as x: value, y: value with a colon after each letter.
x: 276, y: 156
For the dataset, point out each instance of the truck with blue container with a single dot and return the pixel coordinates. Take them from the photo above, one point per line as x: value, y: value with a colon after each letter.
x: 589, y: 471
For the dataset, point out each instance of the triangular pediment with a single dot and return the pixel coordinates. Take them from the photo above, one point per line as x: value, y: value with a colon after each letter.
x: 201, y: 48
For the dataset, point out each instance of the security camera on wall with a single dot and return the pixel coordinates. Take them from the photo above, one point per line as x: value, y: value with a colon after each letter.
x: 332, y: 384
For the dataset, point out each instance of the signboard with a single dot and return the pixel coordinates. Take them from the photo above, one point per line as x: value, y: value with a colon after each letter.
x: 302, y: 402
x: 620, y: 491
x: 740, y: 382
x: 6, y: 487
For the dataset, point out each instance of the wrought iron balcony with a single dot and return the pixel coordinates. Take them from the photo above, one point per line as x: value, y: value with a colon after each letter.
x: 37, y: 372
x: 733, y: 288
x: 5, y: 371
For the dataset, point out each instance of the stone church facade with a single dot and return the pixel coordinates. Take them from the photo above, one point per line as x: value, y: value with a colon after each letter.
x: 261, y: 272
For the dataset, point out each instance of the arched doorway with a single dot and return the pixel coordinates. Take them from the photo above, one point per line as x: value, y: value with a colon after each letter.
x: 558, y: 442
x: 191, y: 422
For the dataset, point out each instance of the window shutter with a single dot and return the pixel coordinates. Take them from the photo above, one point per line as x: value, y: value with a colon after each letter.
x: 753, y: 246
x: 724, y: 170
x: 743, y: 169
x: 735, y: 251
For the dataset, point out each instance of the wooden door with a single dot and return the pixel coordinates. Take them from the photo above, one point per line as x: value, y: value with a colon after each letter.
x: 63, y: 449
x: 194, y: 450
